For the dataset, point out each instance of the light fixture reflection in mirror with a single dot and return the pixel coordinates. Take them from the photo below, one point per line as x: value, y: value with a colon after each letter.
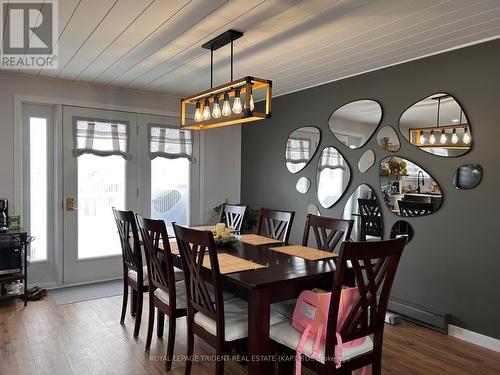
x: 354, y: 123
x: 301, y: 145
x: 303, y: 185
x: 402, y: 228
x: 366, y: 161
x: 388, y: 139
x: 468, y: 176
x: 408, y: 190
x: 333, y: 176
x: 364, y: 209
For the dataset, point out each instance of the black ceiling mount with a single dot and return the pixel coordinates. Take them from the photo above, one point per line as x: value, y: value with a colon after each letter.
x: 223, y: 39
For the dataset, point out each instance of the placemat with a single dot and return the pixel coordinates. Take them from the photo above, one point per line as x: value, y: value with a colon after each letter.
x: 229, y: 263
x: 254, y: 239
x: 204, y: 227
x: 307, y: 253
x: 173, y: 247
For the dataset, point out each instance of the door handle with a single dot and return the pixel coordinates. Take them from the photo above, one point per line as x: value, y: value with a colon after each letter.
x: 70, y: 204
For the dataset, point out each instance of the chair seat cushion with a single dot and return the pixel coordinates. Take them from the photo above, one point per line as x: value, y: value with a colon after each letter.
x: 132, y: 275
x: 235, y: 319
x: 180, y: 295
x: 285, y: 334
x: 285, y: 308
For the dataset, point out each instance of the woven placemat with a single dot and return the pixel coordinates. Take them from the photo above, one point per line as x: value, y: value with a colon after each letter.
x: 229, y: 263
x: 254, y: 239
x: 304, y: 252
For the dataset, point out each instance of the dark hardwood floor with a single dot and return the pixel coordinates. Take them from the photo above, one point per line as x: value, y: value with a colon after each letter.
x: 86, y: 338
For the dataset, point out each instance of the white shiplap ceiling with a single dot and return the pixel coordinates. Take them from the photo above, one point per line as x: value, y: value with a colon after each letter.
x: 155, y: 45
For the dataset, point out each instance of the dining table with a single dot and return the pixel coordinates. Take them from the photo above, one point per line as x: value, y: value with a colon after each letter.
x: 283, y: 277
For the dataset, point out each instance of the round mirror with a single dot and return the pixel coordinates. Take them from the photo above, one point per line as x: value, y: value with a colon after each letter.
x: 468, y: 176
x: 303, y: 185
x: 300, y: 147
x: 402, y: 228
x: 364, y: 209
x: 366, y: 161
x: 354, y: 123
x: 437, y: 125
x: 333, y: 176
x: 388, y: 139
x: 313, y: 210
x: 408, y: 190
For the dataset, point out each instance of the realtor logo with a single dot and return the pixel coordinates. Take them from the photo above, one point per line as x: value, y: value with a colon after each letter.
x: 29, y: 30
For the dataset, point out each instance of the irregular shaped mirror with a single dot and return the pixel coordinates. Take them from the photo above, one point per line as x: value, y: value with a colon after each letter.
x: 402, y: 228
x: 407, y: 189
x: 366, y: 161
x: 333, y: 176
x: 300, y: 147
x: 468, y: 176
x: 313, y: 210
x: 303, y: 185
x: 364, y: 209
x: 388, y: 139
x: 354, y: 123
x: 437, y: 125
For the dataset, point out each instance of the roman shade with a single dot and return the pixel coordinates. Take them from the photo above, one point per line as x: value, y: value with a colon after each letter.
x: 298, y: 150
x: 170, y: 143
x: 101, y: 138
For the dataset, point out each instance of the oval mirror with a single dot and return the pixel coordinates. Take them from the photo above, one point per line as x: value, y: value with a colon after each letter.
x: 333, y: 176
x: 388, y: 139
x: 366, y: 161
x: 437, y: 125
x: 313, y: 210
x: 364, y: 209
x: 408, y: 190
x: 468, y: 176
x: 301, y: 145
x: 402, y: 228
x: 354, y: 123
x: 303, y: 185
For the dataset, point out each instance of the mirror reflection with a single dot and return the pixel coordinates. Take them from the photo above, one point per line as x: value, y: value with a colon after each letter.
x: 468, y: 176
x: 408, y: 190
x: 388, y: 139
x: 354, y: 123
x: 313, y: 210
x: 437, y: 125
x: 303, y: 185
x: 366, y: 161
x: 300, y: 147
x: 333, y: 176
x: 363, y: 208
x: 402, y: 228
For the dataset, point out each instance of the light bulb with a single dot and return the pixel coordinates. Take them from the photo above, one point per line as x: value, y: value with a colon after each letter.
x: 197, y: 113
x: 432, y: 138
x: 226, y: 106
x: 237, y: 108
x: 206, y: 111
x: 422, y: 137
x: 466, y: 138
x: 252, y: 103
x: 454, y: 137
x: 216, y: 112
x: 442, y: 139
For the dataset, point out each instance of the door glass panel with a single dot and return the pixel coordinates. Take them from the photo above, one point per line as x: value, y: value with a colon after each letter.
x: 101, y: 186
x: 38, y: 187
x: 170, y: 190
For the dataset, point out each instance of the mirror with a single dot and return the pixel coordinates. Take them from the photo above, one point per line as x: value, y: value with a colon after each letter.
x: 303, y: 185
x: 313, y: 210
x: 437, y: 125
x: 468, y: 176
x: 402, y: 228
x: 354, y: 123
x: 366, y: 161
x: 408, y: 190
x: 364, y: 209
x: 388, y: 139
x: 300, y: 147
x: 333, y: 176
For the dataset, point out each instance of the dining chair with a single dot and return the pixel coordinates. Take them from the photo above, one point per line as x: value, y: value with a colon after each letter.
x: 135, y: 275
x: 275, y: 224
x: 234, y: 215
x: 221, y: 324
x: 411, y: 208
x: 375, y: 264
x: 165, y: 294
x: 371, y: 219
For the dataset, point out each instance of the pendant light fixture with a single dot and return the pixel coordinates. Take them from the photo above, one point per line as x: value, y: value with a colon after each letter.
x: 241, y: 90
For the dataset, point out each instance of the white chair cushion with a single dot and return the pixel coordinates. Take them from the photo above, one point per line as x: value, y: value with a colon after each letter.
x: 180, y: 295
x: 285, y: 308
x: 235, y: 319
x: 133, y: 275
x: 285, y: 334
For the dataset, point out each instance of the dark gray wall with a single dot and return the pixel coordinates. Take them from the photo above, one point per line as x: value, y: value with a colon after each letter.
x: 453, y: 263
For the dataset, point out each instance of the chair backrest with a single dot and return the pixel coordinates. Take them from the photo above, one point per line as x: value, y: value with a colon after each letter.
x: 328, y: 231
x: 275, y: 224
x: 374, y: 264
x: 410, y: 208
x: 371, y: 219
x: 129, y: 239
x: 234, y: 215
x: 158, y: 256
x: 195, y: 247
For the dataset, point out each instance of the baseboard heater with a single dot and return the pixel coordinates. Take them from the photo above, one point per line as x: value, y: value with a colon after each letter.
x: 435, y: 320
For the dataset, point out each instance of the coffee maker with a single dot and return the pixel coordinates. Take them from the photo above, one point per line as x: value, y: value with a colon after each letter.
x: 4, y: 214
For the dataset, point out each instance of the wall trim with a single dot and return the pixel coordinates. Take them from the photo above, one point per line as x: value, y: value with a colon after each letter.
x: 474, y: 338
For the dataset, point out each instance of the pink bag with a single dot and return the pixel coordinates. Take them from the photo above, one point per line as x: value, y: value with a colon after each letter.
x: 311, y: 317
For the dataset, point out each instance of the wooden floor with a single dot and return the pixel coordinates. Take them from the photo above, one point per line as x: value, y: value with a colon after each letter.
x: 86, y: 338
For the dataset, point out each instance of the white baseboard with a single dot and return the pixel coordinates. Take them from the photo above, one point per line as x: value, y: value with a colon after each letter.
x: 474, y: 338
